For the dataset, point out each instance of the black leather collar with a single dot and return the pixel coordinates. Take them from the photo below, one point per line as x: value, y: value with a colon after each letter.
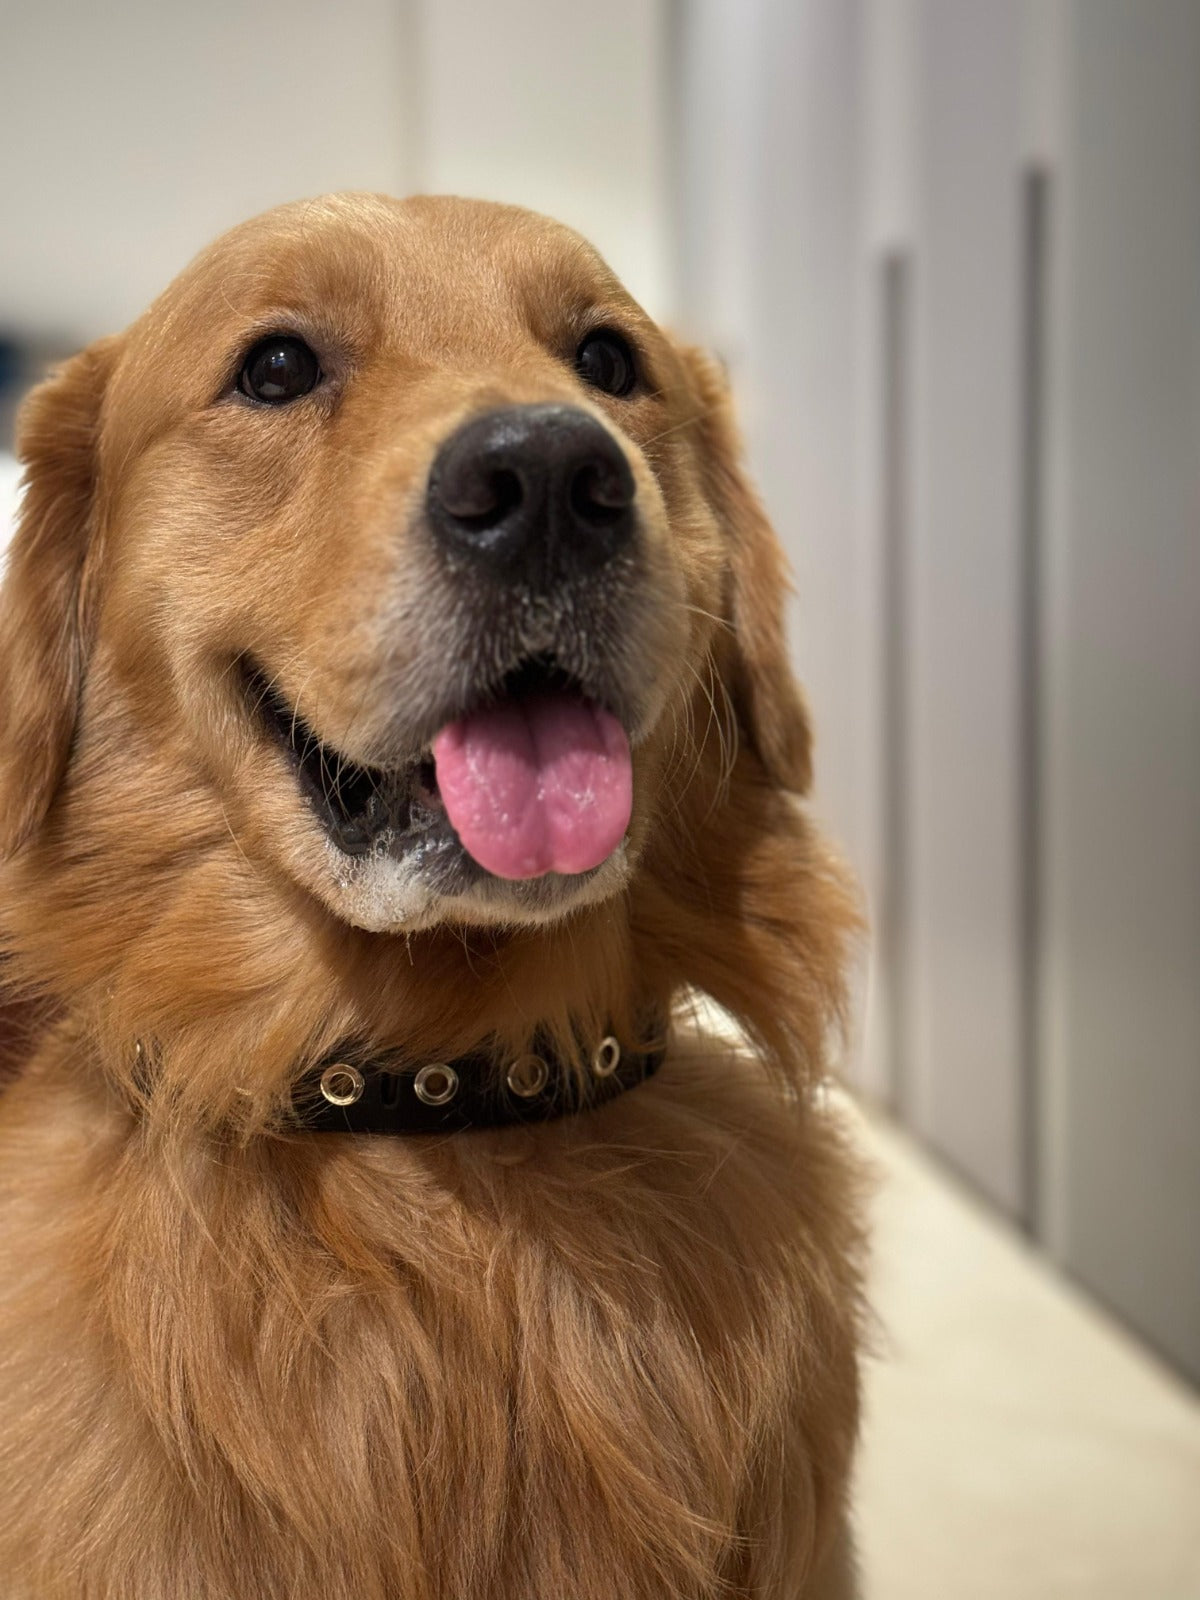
x: 353, y: 1091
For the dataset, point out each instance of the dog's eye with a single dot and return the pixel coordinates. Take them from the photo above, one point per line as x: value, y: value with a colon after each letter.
x: 606, y: 362
x: 278, y: 369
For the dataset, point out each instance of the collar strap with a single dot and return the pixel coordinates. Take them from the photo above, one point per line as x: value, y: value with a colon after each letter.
x: 351, y: 1091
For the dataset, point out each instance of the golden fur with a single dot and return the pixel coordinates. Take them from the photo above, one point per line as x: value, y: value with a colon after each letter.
x: 611, y: 1356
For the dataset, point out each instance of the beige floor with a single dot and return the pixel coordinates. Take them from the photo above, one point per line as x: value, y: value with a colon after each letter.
x: 1017, y: 1444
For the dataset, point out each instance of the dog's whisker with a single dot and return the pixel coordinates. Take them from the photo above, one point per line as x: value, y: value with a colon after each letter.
x: 677, y: 427
x: 710, y: 616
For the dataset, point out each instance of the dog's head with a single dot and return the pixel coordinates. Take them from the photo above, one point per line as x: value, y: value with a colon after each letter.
x: 397, y: 539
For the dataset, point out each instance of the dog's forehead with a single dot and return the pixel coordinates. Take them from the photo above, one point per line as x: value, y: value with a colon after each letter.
x: 424, y: 272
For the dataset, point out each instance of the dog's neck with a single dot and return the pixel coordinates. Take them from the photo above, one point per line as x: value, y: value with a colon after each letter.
x: 440, y: 1030
x: 243, y: 984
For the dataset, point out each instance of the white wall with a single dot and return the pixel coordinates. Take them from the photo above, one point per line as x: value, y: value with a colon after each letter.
x: 134, y: 132
x: 561, y: 107
x: 889, y: 181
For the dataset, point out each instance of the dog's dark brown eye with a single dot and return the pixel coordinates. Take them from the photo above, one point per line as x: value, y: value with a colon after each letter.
x: 605, y: 362
x: 278, y: 369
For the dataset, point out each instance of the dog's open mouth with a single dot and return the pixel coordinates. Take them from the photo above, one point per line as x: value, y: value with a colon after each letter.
x: 536, y: 778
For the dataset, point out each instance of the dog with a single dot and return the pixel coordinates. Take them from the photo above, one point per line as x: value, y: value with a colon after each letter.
x: 398, y: 755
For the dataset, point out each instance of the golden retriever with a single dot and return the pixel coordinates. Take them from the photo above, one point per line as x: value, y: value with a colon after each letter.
x: 394, y: 683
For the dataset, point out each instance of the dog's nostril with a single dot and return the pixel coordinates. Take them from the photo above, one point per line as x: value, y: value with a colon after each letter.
x: 601, y: 493
x: 480, y: 499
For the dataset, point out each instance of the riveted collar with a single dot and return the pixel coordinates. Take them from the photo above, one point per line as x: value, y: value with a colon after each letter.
x: 354, y: 1091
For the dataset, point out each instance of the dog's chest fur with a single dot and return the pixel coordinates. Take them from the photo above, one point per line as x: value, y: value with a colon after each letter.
x: 612, y: 1352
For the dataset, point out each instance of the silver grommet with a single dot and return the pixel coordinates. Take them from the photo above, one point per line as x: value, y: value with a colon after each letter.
x: 528, y: 1076
x: 342, y: 1084
x: 436, y: 1083
x: 606, y: 1057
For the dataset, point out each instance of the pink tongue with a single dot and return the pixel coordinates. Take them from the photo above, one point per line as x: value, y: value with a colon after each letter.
x: 542, y: 785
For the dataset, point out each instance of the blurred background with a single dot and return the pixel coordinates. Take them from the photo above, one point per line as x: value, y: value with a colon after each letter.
x: 950, y: 252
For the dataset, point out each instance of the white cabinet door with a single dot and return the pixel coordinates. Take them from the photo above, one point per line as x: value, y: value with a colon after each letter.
x: 1121, y: 1090
x: 964, y: 1088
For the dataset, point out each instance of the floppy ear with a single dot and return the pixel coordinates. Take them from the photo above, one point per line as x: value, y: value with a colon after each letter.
x: 43, y: 615
x: 768, y: 700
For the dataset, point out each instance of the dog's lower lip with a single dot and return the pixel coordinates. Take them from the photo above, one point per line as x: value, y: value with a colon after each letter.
x: 365, y: 809
x: 356, y: 804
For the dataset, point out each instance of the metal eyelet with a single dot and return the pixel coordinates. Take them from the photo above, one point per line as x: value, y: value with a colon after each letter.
x: 606, y: 1057
x: 436, y: 1083
x: 527, y: 1076
x: 342, y: 1084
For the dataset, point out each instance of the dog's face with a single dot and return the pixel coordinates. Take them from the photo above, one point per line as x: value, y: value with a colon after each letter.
x: 407, y: 545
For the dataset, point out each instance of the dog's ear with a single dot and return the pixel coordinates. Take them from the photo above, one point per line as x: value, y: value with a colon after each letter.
x: 769, y: 704
x: 44, y: 620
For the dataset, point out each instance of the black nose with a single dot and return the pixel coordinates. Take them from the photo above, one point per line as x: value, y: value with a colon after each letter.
x: 532, y: 493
